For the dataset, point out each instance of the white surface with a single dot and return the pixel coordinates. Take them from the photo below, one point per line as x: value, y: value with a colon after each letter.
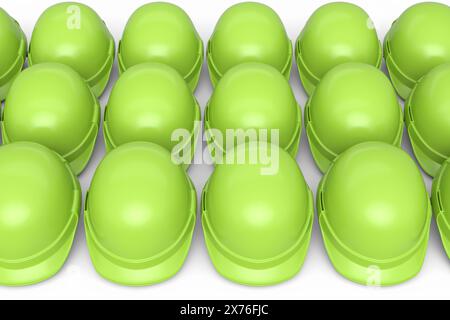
x: 198, y: 279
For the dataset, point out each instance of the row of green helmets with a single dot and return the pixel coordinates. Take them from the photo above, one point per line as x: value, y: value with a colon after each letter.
x: 140, y: 210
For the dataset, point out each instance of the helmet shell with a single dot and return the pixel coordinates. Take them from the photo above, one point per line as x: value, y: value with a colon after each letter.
x: 428, y: 118
x: 440, y: 198
x: 336, y: 33
x: 39, y: 202
x: 162, y: 32
x: 148, y: 103
x: 248, y: 32
x: 254, y: 96
x: 14, y: 49
x: 50, y: 104
x: 353, y: 103
x: 374, y: 214
x: 140, y: 215
x: 257, y: 216
x: 73, y: 34
x: 417, y: 42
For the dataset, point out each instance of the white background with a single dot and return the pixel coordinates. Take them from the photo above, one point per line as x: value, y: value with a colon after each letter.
x: 198, y: 279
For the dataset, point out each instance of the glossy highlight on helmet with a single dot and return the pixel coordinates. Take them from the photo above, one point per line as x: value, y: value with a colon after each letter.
x: 440, y: 197
x: 252, y: 97
x: 428, y: 118
x: 140, y: 215
x: 149, y: 102
x: 374, y: 214
x: 40, y: 200
x: 14, y: 50
x: 257, y: 224
x: 336, y: 33
x: 73, y: 34
x: 417, y: 42
x: 162, y: 32
x: 49, y: 103
x: 353, y: 103
x: 248, y: 32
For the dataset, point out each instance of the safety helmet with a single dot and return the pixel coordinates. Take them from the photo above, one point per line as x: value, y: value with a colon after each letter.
x: 39, y: 206
x: 253, y: 96
x: 374, y: 214
x: 162, y: 32
x: 248, y: 32
x: 73, y: 34
x: 353, y: 103
x: 257, y: 215
x: 336, y: 33
x: 440, y: 198
x: 50, y: 104
x: 14, y: 50
x: 417, y: 42
x: 140, y: 215
x: 428, y: 118
x: 148, y: 103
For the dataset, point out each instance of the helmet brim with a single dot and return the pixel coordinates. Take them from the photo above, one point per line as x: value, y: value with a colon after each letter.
x: 190, y: 144
x: 444, y: 231
x: 215, y: 75
x: 79, y: 157
x: 263, y: 274
x: 217, y: 150
x: 7, y: 79
x: 98, y: 82
x: 31, y: 272
x: 138, y: 274
x: 429, y: 159
x: 367, y: 271
x: 246, y: 275
x: 323, y: 156
x: 401, y: 82
x: 191, y: 78
x: 439, y: 211
x: 426, y: 163
x: 308, y: 79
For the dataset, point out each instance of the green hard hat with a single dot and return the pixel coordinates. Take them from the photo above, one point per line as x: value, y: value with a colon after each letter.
x: 374, y: 214
x: 248, y: 32
x: 148, y: 103
x: 440, y: 198
x: 428, y: 118
x: 14, y: 49
x: 50, y: 104
x: 162, y: 32
x: 140, y: 215
x: 353, y: 103
x: 257, y: 216
x: 336, y: 33
x: 73, y: 34
x: 253, y: 96
x: 417, y: 42
x: 39, y: 206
